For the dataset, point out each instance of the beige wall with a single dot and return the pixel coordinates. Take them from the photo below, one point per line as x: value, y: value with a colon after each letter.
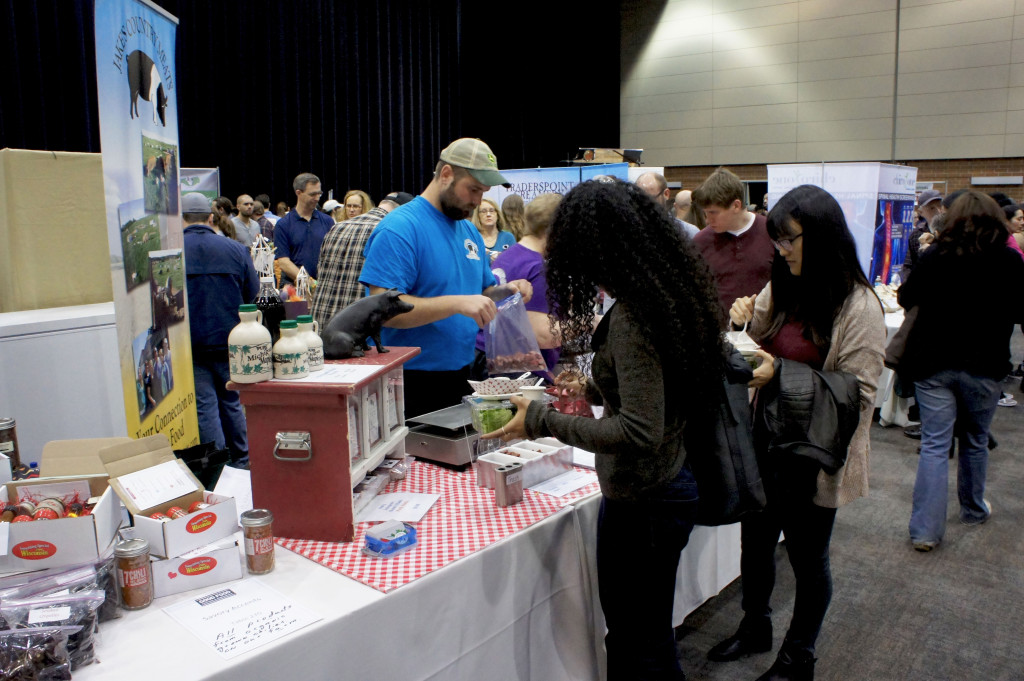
x: 768, y: 81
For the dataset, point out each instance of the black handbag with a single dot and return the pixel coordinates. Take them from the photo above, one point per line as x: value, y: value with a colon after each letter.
x: 720, y: 453
x: 897, y: 345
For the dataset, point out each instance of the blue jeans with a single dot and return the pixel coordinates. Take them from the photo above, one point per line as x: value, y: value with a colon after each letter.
x: 638, y: 547
x: 221, y: 419
x: 951, y: 399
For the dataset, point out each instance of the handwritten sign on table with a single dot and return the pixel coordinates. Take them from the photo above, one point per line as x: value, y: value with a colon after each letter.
x: 239, y: 617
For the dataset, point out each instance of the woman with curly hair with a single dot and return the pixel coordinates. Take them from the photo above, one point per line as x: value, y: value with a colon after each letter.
x: 818, y: 309
x: 957, y: 353
x: 489, y: 222
x: 514, y: 211
x: 657, y: 359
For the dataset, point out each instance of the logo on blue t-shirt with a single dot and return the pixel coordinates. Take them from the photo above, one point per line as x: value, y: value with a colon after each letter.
x: 471, y: 250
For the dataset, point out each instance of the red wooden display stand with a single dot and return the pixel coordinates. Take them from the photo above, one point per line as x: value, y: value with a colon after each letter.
x: 304, y: 457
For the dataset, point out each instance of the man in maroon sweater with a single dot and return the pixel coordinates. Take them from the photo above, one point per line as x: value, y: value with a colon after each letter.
x: 735, y: 243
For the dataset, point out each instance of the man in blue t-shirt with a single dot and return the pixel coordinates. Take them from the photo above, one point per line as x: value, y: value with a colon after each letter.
x: 430, y: 252
x: 299, y: 234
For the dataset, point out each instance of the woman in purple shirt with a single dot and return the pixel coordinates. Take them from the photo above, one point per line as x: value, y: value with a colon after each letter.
x: 525, y: 260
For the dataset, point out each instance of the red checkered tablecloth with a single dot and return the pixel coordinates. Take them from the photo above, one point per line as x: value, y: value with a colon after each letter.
x: 462, y: 521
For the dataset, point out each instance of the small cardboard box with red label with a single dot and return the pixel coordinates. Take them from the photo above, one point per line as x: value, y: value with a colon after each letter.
x: 203, y: 567
x: 148, y: 478
x: 65, y: 541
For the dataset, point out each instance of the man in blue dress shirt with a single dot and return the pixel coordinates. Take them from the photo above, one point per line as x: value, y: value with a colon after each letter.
x: 299, y: 234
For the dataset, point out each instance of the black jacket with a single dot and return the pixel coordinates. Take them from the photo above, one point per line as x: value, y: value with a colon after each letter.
x: 808, y: 413
x: 721, y: 452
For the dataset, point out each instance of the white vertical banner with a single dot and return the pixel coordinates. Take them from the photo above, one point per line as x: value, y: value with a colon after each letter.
x: 137, y: 94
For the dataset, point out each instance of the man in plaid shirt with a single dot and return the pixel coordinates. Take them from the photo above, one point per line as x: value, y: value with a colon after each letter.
x: 341, y: 259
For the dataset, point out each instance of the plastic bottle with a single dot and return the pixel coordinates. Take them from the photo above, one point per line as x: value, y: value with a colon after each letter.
x: 309, y: 331
x: 291, y: 354
x: 250, y: 350
x: 270, y: 305
x: 895, y: 280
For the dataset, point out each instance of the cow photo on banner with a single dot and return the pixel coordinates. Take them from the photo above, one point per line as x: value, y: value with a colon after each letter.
x: 136, y: 80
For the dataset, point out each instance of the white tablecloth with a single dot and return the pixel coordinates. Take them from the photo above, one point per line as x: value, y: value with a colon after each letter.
x: 523, y: 608
x: 892, y: 408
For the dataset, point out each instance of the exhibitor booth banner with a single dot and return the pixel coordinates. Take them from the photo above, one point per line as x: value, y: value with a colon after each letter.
x: 137, y: 84
x: 877, y: 200
x: 530, y: 183
x: 206, y: 181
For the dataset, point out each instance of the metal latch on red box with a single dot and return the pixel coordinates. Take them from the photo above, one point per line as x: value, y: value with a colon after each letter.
x: 289, y: 445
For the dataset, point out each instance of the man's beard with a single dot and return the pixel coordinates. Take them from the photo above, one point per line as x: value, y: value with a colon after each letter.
x: 450, y: 205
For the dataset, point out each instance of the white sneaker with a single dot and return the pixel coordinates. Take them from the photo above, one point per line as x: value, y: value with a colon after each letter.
x: 1007, y: 401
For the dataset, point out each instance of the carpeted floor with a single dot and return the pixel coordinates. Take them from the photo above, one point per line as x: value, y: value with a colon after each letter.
x: 956, y: 613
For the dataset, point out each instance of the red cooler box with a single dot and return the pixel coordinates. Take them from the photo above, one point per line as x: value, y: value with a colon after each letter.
x: 313, y: 439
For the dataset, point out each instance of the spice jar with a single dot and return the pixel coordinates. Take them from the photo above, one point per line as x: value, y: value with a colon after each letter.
x: 257, y: 526
x: 134, y: 573
x: 9, y: 441
x: 176, y: 512
x: 54, y: 504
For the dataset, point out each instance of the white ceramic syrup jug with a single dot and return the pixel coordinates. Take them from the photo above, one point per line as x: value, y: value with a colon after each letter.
x: 291, y: 354
x: 309, y: 331
x: 250, y: 353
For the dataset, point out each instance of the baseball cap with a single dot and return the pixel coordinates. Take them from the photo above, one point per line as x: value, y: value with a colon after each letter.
x: 477, y: 158
x: 927, y: 196
x: 332, y: 205
x: 401, y: 198
x: 194, y: 202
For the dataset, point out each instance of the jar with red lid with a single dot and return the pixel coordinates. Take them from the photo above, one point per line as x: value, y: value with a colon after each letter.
x: 176, y: 512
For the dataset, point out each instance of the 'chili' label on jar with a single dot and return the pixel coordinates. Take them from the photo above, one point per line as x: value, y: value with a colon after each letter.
x: 259, y: 546
x: 135, y: 577
x: 197, y: 566
x: 201, y: 523
x: 33, y: 550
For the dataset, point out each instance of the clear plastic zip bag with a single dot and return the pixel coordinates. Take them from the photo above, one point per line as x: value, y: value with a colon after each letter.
x: 38, y: 654
x: 60, y: 610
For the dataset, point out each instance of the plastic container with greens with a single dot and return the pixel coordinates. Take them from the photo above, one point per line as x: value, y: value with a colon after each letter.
x: 489, y: 415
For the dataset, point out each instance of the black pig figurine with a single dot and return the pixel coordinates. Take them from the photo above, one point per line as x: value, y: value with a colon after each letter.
x: 347, y: 331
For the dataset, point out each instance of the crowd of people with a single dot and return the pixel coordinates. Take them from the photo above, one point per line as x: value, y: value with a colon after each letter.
x: 681, y: 270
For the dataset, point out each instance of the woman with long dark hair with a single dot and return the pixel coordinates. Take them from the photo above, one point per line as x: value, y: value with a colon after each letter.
x: 957, y: 353
x: 658, y: 355
x: 819, y: 310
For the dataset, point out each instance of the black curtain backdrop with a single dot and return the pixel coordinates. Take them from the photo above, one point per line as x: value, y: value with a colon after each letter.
x: 364, y: 94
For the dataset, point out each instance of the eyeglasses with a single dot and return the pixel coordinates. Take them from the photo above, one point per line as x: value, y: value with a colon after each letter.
x: 486, y: 211
x: 785, y: 244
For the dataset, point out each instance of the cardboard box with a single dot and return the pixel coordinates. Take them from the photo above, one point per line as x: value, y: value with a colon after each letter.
x: 203, y: 567
x: 180, y: 535
x: 65, y: 541
x: 76, y: 457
